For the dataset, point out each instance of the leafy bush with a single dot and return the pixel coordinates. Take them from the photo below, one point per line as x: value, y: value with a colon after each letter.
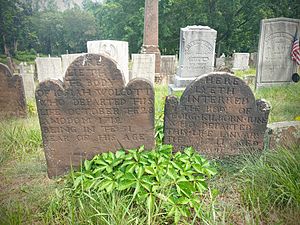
x: 174, y: 183
x: 26, y: 56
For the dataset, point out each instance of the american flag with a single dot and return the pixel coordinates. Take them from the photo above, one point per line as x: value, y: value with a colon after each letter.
x: 296, y: 50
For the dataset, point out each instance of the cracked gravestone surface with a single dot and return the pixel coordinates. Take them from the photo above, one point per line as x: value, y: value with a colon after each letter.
x: 93, y: 112
x: 218, y: 115
x: 12, y: 95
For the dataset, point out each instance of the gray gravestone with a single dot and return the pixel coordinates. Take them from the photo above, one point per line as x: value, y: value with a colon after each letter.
x: 12, y: 96
x: 253, y: 59
x: 93, y: 112
x: 275, y: 65
x: 217, y: 115
x: 241, y: 61
x: 143, y: 66
x: 117, y: 50
x: 49, y: 68
x: 196, y: 55
x: 28, y: 80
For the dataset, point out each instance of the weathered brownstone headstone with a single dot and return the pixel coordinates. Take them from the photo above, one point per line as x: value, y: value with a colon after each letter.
x: 12, y: 96
x: 93, y: 112
x: 217, y: 115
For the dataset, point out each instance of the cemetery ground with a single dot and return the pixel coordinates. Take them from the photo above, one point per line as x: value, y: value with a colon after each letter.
x: 259, y: 188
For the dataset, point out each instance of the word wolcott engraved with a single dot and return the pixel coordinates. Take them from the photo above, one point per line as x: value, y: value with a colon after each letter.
x: 92, y: 112
x: 217, y: 115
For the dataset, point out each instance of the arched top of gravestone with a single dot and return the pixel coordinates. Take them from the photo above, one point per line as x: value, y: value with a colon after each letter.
x: 102, y: 68
x: 5, y: 70
x: 222, y: 86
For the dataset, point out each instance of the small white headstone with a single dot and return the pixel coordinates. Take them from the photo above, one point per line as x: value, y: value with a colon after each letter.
x: 143, y: 66
x: 241, y: 61
x: 28, y: 81
x: 49, y: 68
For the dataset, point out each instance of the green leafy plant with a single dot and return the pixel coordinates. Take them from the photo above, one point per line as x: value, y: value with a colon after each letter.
x: 176, y: 182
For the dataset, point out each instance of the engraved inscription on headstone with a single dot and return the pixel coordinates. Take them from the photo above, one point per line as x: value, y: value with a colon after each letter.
x: 93, y: 112
x: 217, y: 115
x: 275, y: 65
x: 12, y: 96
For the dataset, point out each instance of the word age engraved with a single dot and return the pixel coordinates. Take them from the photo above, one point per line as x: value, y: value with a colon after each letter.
x: 93, y: 112
x: 217, y: 115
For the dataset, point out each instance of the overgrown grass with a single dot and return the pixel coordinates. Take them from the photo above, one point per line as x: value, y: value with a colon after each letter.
x: 256, y: 189
x: 19, y: 137
x: 284, y: 100
x: 242, y: 73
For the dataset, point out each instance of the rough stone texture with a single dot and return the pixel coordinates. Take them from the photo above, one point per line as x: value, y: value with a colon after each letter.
x: 49, y: 68
x: 143, y: 66
x: 12, y: 96
x: 241, y: 61
x: 196, y: 54
x: 285, y: 134
x: 67, y: 59
x: 117, y: 50
x: 275, y: 65
x: 150, y: 40
x: 93, y: 112
x: 217, y: 115
x: 27, y: 75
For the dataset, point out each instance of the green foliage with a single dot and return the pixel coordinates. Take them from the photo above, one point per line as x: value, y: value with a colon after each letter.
x: 26, y: 56
x: 31, y: 107
x: 17, y: 138
x: 271, y: 180
x: 284, y: 100
x: 176, y: 182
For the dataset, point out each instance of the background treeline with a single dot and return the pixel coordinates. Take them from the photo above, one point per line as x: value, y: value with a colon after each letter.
x: 27, y: 28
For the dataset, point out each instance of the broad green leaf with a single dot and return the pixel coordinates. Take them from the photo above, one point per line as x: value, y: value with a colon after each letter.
x: 186, y: 188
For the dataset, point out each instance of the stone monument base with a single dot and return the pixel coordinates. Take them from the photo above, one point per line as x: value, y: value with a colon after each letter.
x: 180, y: 83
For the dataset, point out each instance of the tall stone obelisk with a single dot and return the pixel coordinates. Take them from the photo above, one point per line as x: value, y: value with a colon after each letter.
x: 150, y: 42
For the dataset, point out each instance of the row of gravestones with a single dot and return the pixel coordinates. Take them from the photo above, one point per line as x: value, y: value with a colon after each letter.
x: 93, y: 111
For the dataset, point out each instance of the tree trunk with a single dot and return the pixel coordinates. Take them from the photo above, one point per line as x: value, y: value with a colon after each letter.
x: 6, y: 49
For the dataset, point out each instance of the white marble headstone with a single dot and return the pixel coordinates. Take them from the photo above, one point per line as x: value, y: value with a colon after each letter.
x: 49, y: 68
x: 67, y: 59
x: 143, y: 66
x: 241, y: 61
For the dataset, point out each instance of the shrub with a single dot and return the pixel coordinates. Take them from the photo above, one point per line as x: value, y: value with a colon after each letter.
x: 157, y: 180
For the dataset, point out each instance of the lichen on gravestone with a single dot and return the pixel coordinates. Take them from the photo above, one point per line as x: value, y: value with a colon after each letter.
x: 93, y: 112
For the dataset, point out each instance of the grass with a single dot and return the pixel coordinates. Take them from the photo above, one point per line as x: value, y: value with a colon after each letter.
x: 250, y: 189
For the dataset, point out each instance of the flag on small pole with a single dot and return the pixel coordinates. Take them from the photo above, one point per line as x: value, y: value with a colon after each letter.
x: 295, y: 49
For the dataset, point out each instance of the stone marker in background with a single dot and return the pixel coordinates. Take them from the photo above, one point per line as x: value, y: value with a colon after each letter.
x: 67, y: 59
x: 285, y: 134
x: 241, y: 61
x: 253, y: 59
x: 168, y: 64
x: 217, y: 115
x: 117, y: 50
x: 93, y: 112
x: 12, y: 97
x: 49, y: 68
x: 196, y: 55
x: 143, y: 66
x: 275, y: 65
x: 28, y: 80
x: 150, y: 38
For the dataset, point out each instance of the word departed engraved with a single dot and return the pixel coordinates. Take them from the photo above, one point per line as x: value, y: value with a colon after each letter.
x: 217, y: 115
x: 93, y: 112
x: 12, y: 95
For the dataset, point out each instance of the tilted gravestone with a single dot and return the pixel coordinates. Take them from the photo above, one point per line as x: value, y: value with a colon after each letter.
x: 93, y: 112
x: 12, y: 96
x: 217, y: 115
